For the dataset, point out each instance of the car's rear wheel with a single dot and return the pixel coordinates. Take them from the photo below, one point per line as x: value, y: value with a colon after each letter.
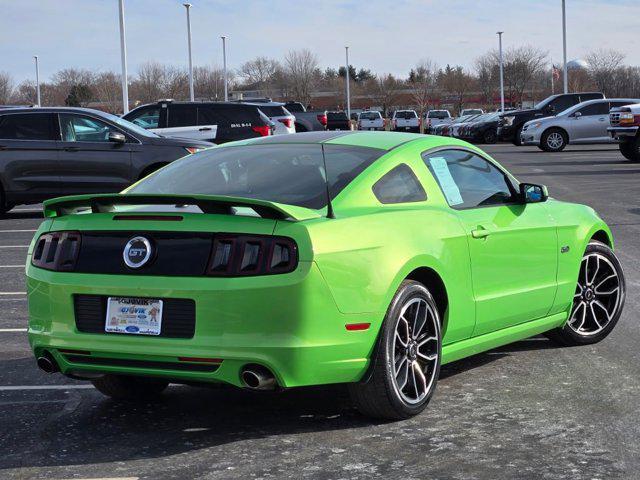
x: 598, y: 300
x: 122, y: 387
x: 490, y: 137
x: 517, y: 141
x: 553, y: 140
x: 406, y: 361
x: 630, y: 149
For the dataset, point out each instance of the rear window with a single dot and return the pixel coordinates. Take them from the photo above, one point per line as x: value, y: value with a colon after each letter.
x: 182, y: 116
x: 295, y: 107
x: 406, y: 114
x: 441, y: 114
x: 289, y: 174
x: 274, y: 111
x: 400, y: 185
x: 336, y: 116
x: 26, y: 126
x: 370, y: 116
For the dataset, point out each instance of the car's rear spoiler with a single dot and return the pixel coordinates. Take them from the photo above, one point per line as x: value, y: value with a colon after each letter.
x: 215, y: 204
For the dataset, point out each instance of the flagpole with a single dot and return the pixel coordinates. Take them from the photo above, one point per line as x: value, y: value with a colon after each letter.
x: 553, y: 72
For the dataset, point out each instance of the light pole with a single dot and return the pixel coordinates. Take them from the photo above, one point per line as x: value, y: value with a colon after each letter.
x: 501, y: 72
x: 188, y: 7
x: 346, y: 77
x: 564, y: 48
x: 123, y: 56
x: 35, y: 57
x: 224, y: 67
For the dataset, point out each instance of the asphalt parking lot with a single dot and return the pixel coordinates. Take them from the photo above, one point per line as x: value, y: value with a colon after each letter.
x: 528, y: 410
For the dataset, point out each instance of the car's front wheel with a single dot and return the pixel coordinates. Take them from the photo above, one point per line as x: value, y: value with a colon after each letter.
x: 122, y: 387
x: 406, y: 361
x: 553, y: 140
x: 598, y: 299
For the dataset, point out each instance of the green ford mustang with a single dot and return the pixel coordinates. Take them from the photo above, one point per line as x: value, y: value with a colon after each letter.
x: 365, y: 258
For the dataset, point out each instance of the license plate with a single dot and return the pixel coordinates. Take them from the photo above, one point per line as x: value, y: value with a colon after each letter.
x: 136, y: 316
x: 407, y: 128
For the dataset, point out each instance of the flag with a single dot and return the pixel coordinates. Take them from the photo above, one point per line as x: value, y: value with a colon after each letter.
x: 556, y: 73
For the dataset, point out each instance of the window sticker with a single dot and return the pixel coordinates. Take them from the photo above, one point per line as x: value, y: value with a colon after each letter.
x: 448, y: 185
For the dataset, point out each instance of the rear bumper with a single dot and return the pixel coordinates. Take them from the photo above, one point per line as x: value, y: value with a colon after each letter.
x: 506, y: 133
x: 288, y: 323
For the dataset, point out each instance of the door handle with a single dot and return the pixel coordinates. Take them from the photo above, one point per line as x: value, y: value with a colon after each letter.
x: 480, y: 232
x: 205, y: 129
x: 72, y: 149
x: 601, y: 119
x: 4, y: 147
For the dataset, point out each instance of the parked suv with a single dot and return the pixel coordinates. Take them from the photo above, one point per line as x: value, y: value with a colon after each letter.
x: 307, y: 120
x: 216, y: 122
x: 49, y: 152
x: 405, y: 121
x: 338, y: 121
x: 371, y: 120
x: 625, y: 127
x: 433, y: 118
x: 586, y: 122
x: 284, y: 121
x: 511, y: 123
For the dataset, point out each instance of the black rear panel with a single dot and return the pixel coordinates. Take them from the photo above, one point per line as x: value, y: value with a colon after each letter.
x: 178, y: 316
x: 176, y: 253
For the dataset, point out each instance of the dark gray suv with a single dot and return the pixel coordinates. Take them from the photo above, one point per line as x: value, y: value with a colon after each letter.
x: 49, y: 152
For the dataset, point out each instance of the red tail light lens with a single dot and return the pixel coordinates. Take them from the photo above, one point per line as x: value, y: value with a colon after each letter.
x: 57, y: 251
x: 263, y: 130
x: 246, y: 255
x: 322, y: 118
x: 287, y: 122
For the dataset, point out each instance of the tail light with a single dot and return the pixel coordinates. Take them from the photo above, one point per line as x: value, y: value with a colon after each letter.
x: 263, y: 130
x: 193, y: 150
x: 57, y: 251
x: 287, y: 122
x: 245, y: 255
x: 322, y: 118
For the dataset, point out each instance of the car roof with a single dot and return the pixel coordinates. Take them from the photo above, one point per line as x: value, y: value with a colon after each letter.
x: 53, y: 110
x: 379, y: 140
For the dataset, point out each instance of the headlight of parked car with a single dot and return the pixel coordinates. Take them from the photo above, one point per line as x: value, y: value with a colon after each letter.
x: 508, y: 121
x: 534, y: 125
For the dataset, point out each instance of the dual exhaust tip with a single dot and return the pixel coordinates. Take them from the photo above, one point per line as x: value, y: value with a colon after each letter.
x: 257, y: 377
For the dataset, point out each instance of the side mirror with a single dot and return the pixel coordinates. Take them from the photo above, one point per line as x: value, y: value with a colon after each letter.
x: 117, y: 137
x: 533, y: 193
x: 577, y: 114
x: 551, y: 109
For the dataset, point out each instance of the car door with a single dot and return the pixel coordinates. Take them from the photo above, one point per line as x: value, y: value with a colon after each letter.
x: 89, y: 162
x: 146, y: 117
x: 589, y: 123
x: 512, y: 245
x: 182, y: 122
x: 29, y: 156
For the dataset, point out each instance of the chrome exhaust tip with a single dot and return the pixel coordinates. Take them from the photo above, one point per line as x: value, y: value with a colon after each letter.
x: 47, y: 364
x: 256, y: 377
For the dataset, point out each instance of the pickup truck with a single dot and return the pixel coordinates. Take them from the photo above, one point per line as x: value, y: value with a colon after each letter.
x: 510, y: 123
x: 625, y: 127
x: 371, y: 120
x: 405, y: 121
x: 433, y: 118
x: 307, y: 121
x: 338, y: 121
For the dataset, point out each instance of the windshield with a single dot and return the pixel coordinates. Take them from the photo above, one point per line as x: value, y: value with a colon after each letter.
x: 128, y: 125
x: 406, y: 114
x: 440, y: 114
x: 544, y: 103
x: 370, y: 116
x: 292, y: 174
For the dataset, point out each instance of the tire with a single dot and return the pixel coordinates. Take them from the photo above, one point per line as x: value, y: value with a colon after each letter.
x: 383, y: 394
x: 516, y: 139
x: 4, y: 205
x: 121, y: 387
x: 589, y: 322
x: 630, y: 149
x: 553, y: 140
x: 299, y: 128
x: 150, y: 169
x: 490, y: 137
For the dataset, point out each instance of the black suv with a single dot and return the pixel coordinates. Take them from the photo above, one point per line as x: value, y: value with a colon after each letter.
x: 216, y: 122
x: 511, y: 123
x: 49, y: 152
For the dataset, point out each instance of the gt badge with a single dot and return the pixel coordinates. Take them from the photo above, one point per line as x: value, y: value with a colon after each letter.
x: 137, y: 252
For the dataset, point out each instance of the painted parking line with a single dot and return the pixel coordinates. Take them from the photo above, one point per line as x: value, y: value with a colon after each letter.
x: 17, y: 388
x: 12, y: 330
x: 11, y: 266
x: 13, y: 293
x: 19, y: 231
x: 14, y: 246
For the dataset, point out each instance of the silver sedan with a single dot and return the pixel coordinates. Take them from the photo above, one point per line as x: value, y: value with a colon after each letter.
x: 585, y: 122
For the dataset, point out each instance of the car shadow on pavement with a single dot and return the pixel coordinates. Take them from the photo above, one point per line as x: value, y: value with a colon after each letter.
x: 79, y: 427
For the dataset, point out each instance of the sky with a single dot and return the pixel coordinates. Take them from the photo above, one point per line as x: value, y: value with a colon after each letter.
x: 384, y: 36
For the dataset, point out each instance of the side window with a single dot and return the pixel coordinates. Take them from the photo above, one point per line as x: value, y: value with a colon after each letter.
x: 620, y: 104
x: 600, y: 108
x: 564, y: 102
x: 147, y: 118
x: 182, y: 116
x: 400, y: 185
x: 469, y: 181
x: 26, y: 126
x: 77, y: 128
x: 208, y: 116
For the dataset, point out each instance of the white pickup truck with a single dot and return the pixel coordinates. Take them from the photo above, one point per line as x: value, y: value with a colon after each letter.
x: 625, y: 127
x: 405, y: 121
x: 435, y: 118
x: 370, y: 120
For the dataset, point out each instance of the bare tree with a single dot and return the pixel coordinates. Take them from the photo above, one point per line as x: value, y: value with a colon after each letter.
x: 423, y: 82
x: 301, y: 67
x: 384, y: 91
x: 487, y: 77
x: 156, y: 81
x: 457, y: 83
x: 259, y: 72
x: 208, y: 82
x: 6, y: 87
x: 602, y: 64
x: 107, y: 90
